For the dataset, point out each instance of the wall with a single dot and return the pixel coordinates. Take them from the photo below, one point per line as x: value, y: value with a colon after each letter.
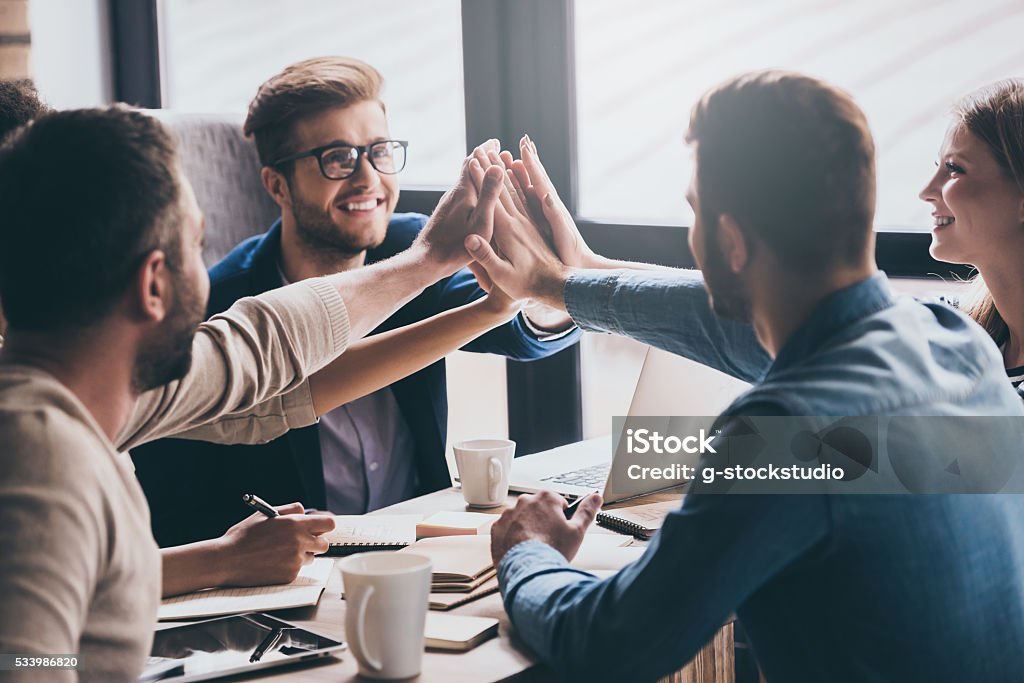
x: 71, y: 52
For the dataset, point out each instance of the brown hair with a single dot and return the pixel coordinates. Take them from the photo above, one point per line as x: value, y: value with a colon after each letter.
x: 303, y: 89
x: 19, y: 104
x: 792, y: 160
x: 995, y: 115
x: 65, y: 264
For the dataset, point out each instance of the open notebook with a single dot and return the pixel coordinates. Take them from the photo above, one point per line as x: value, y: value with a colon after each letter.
x: 304, y: 591
x: 358, y: 533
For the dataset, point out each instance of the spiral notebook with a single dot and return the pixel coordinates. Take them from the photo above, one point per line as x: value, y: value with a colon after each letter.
x: 642, y: 520
x: 359, y: 533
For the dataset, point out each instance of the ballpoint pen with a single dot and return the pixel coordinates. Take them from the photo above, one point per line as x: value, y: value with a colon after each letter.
x: 267, y: 643
x: 571, y: 509
x: 258, y: 504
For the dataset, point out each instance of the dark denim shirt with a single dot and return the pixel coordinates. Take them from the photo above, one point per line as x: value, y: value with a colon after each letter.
x: 828, y: 588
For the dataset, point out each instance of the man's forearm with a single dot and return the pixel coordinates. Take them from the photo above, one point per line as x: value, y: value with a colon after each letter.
x: 548, y: 289
x: 599, y: 262
x: 583, y: 626
x: 373, y: 293
x: 669, y: 309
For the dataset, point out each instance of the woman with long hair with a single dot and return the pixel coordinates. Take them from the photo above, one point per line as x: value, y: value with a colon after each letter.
x: 977, y: 194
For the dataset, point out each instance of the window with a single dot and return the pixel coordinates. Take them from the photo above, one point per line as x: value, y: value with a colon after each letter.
x: 605, y: 88
x: 216, y: 53
x: 639, y: 70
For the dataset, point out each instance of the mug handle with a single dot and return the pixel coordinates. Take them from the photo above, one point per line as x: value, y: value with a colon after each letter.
x: 494, y: 477
x: 356, y: 639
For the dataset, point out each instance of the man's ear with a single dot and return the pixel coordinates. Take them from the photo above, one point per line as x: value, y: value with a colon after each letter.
x: 150, y: 296
x: 733, y: 244
x: 276, y: 186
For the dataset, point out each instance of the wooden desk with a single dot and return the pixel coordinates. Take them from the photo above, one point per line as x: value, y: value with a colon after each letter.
x: 503, y: 658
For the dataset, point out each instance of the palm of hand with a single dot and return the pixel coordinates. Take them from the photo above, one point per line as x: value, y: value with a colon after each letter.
x: 455, y: 218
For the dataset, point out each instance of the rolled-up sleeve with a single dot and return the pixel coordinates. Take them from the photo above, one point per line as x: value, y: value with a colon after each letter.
x: 249, y: 365
x: 263, y: 423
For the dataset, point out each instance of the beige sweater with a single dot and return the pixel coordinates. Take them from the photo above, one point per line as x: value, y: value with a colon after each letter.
x: 79, y: 570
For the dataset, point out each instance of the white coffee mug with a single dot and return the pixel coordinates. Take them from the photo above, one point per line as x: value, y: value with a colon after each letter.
x: 387, y: 595
x: 484, y: 466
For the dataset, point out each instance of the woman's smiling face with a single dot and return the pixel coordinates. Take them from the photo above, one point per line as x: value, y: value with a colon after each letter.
x: 978, y: 210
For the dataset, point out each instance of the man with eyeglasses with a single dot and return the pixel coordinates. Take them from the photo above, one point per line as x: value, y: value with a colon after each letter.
x: 330, y: 163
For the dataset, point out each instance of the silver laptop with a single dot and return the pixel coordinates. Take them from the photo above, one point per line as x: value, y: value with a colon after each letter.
x: 669, y: 386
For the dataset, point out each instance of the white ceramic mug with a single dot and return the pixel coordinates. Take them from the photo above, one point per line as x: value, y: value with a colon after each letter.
x: 484, y: 466
x: 387, y: 595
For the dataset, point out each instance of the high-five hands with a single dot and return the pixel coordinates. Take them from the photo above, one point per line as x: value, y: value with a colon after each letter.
x: 521, y: 262
x: 530, y: 179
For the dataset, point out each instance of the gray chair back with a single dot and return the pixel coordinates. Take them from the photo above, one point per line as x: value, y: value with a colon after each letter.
x: 224, y: 171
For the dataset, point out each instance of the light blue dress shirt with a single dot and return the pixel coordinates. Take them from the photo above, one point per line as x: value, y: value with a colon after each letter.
x: 828, y: 588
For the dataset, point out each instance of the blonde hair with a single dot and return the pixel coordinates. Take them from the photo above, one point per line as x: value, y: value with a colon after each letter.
x: 995, y: 115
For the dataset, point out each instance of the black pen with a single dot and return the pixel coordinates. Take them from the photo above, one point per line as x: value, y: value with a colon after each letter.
x: 258, y: 504
x: 271, y: 639
x: 571, y: 509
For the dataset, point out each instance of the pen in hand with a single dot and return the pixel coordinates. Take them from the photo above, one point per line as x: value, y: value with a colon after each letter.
x: 258, y: 504
x: 571, y: 508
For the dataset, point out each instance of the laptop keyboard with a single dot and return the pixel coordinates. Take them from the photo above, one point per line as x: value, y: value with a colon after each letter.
x: 594, y: 476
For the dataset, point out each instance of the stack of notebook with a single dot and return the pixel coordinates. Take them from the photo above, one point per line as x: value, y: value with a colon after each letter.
x: 463, y: 570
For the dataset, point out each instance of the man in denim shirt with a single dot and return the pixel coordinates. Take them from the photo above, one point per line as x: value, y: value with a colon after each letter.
x: 840, y: 587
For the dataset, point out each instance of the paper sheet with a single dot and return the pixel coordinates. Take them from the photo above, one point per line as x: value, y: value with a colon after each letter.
x: 605, y: 552
x: 360, y: 529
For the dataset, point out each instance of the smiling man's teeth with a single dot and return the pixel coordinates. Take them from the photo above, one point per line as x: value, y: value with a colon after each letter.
x: 361, y: 206
x: 943, y: 220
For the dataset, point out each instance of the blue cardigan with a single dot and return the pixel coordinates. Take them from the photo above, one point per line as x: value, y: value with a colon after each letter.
x: 194, y: 488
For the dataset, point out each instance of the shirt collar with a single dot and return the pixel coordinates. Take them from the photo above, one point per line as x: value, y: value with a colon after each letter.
x: 834, y: 313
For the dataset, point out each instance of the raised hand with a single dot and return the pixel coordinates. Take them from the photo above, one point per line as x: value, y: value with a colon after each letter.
x: 531, y: 178
x: 466, y: 209
x: 497, y: 300
x: 521, y: 262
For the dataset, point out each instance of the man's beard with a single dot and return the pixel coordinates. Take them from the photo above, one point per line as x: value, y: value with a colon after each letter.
x: 167, y: 355
x: 725, y: 290
x: 321, y: 236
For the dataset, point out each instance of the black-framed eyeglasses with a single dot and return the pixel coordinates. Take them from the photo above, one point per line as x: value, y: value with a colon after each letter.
x: 338, y: 162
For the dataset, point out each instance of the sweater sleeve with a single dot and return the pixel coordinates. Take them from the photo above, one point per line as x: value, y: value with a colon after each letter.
x: 262, y: 423
x: 260, y: 348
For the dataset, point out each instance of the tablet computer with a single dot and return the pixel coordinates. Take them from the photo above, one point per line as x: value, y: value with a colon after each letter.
x: 231, y: 645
